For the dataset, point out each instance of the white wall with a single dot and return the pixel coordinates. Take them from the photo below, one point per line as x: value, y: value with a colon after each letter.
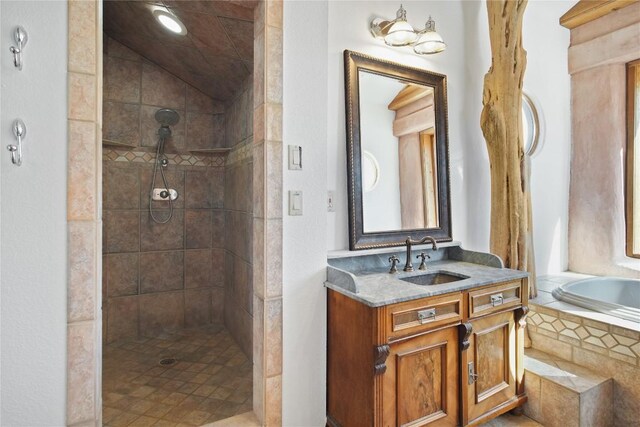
x: 463, y: 25
x: 314, y: 112
x: 348, y: 29
x: 547, y: 80
x: 304, y: 240
x: 33, y: 218
x: 33, y: 197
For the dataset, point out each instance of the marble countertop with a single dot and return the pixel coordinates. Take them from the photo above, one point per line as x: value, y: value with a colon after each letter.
x: 376, y: 287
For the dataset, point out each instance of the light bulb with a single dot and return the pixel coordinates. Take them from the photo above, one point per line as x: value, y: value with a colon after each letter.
x: 170, y: 22
x: 400, y: 32
x: 429, y: 41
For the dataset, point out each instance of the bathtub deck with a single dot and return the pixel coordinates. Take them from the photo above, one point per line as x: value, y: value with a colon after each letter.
x: 546, y: 285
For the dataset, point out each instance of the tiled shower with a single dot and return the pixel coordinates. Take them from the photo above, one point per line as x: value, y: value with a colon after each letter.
x: 195, y: 271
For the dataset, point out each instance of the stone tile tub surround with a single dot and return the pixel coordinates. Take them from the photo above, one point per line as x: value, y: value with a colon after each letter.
x: 562, y: 394
x: 604, y: 344
x: 365, y: 276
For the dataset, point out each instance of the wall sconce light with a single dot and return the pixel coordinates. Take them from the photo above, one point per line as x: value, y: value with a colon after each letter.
x: 399, y: 32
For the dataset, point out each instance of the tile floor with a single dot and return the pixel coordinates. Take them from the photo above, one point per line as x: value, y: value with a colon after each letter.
x: 210, y: 381
x: 508, y: 420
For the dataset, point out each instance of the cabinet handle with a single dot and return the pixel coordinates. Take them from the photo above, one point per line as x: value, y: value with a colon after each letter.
x: 427, y: 315
x: 471, y: 375
x: 497, y: 299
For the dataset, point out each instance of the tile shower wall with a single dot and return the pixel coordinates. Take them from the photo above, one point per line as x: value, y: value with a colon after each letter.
x: 134, y: 89
x: 238, y: 203
x: 159, y: 277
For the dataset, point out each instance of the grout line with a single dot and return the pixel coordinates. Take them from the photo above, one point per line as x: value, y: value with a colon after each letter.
x: 82, y: 322
x: 72, y: 119
x: 84, y: 73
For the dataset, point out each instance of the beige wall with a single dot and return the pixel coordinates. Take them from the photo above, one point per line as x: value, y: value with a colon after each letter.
x: 84, y: 216
x: 267, y: 212
x: 597, y: 57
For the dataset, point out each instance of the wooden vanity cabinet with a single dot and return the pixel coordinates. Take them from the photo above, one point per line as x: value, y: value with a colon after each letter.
x: 489, y: 366
x: 448, y: 360
x: 420, y: 384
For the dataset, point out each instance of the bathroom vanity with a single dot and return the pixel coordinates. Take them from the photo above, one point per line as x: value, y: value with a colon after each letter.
x: 439, y: 346
x: 443, y: 346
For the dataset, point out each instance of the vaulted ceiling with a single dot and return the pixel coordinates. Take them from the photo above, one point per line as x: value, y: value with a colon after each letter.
x: 215, y: 55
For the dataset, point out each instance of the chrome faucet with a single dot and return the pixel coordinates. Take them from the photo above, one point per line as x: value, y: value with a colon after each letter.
x: 408, y: 266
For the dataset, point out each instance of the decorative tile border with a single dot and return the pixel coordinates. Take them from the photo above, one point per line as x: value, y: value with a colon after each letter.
x: 241, y: 151
x: 111, y: 154
x: 610, y: 340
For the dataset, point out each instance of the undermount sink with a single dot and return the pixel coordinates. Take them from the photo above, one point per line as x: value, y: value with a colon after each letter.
x: 434, y: 278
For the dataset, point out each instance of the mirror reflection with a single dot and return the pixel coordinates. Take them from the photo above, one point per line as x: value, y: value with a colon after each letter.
x: 397, y: 153
x: 399, y: 164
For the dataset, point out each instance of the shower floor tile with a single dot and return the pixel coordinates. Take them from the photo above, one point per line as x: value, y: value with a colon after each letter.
x: 210, y: 380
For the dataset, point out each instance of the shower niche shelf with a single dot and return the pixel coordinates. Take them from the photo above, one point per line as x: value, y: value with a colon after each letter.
x: 215, y: 151
x: 112, y: 143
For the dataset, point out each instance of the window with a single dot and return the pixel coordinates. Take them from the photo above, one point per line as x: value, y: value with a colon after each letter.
x: 530, y: 125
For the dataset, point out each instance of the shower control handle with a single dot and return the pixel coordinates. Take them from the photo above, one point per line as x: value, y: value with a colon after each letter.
x: 164, y: 194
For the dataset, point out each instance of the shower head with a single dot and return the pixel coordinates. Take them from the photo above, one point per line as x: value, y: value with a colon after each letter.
x: 167, y: 117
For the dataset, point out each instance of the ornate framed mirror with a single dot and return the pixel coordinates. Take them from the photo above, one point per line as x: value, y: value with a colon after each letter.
x: 397, y: 153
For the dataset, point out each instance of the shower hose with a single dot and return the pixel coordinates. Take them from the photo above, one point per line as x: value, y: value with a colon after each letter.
x: 159, y: 158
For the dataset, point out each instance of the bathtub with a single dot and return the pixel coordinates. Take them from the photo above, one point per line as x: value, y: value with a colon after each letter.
x: 610, y: 295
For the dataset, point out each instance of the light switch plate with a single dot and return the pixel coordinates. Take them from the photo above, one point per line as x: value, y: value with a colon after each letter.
x: 295, y: 202
x: 295, y: 157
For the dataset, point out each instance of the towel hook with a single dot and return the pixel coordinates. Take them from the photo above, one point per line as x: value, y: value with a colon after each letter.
x: 19, y: 131
x: 21, y: 37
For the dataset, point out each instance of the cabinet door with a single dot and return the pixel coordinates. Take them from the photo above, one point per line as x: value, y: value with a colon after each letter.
x: 421, y: 382
x: 489, y: 365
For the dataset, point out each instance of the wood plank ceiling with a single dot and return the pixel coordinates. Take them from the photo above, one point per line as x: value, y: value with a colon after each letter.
x: 215, y: 55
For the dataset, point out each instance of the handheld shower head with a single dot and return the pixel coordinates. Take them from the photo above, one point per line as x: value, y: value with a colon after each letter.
x: 164, y: 132
x: 166, y: 117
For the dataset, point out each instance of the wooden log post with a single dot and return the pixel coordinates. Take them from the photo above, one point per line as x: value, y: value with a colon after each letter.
x: 501, y: 123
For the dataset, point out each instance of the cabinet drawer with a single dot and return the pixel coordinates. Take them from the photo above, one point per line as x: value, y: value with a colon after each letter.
x: 421, y: 315
x: 495, y: 298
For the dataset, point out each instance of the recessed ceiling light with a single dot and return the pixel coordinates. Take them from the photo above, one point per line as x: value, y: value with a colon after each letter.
x: 170, y: 22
